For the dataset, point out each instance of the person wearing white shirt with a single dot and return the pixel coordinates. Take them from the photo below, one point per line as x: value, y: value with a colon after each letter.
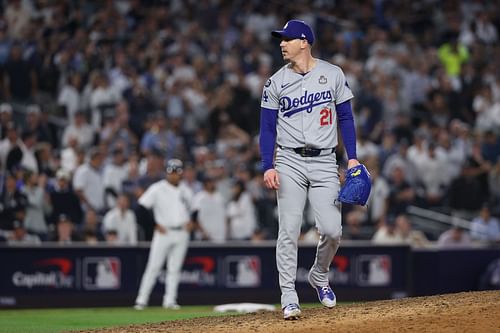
x: 122, y: 220
x: 88, y: 183
x: 241, y: 214
x: 79, y: 129
x: 209, y: 212
x: 70, y: 96
x: 170, y: 203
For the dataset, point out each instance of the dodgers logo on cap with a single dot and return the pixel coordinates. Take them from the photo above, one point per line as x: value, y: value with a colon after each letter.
x: 295, y: 29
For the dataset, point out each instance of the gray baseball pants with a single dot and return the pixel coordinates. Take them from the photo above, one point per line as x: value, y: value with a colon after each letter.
x: 301, y: 178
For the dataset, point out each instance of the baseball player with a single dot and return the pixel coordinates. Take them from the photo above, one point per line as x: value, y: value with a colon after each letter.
x: 169, y: 201
x: 300, y: 108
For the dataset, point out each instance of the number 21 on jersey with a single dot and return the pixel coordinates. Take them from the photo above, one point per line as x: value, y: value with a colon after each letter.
x: 325, y: 117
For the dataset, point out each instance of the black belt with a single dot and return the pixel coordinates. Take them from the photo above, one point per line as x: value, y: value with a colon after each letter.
x: 310, y: 151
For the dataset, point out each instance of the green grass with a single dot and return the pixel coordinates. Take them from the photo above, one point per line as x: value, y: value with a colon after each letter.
x: 58, y: 320
x: 71, y: 319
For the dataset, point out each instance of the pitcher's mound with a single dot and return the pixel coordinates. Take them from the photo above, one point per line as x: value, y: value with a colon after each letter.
x: 463, y: 312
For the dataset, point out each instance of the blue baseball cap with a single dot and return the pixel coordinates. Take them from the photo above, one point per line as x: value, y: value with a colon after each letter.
x: 295, y: 29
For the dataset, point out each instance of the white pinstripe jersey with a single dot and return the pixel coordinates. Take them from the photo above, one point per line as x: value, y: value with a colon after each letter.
x: 306, y: 104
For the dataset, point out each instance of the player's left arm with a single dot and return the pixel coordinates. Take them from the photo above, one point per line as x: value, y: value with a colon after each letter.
x: 348, y: 130
x: 343, y: 96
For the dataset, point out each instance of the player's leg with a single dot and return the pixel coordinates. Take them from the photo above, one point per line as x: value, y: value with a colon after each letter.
x: 175, y: 259
x: 327, y: 214
x: 156, y: 261
x: 292, y: 196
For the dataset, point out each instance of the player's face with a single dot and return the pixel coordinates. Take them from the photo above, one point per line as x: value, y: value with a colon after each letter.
x: 175, y: 177
x: 291, y: 48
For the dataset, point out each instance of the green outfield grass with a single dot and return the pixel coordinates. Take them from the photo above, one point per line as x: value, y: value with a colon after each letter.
x: 58, y: 320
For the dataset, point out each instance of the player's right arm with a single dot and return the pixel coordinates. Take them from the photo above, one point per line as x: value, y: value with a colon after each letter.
x: 148, y: 199
x: 267, y: 138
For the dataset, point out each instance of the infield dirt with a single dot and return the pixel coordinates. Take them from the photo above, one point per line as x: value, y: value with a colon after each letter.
x: 463, y: 312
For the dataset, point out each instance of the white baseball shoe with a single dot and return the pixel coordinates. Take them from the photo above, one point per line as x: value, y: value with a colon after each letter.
x: 139, y: 307
x: 291, y: 312
x: 172, y: 306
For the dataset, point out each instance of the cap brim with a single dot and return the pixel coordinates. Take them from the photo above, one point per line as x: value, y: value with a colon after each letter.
x: 278, y: 33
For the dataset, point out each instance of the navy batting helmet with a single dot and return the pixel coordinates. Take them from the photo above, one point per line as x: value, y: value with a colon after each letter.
x: 357, y: 186
x: 174, y: 165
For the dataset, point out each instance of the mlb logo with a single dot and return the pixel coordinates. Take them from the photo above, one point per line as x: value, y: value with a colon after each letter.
x: 242, y: 271
x: 101, y: 273
x: 374, y: 270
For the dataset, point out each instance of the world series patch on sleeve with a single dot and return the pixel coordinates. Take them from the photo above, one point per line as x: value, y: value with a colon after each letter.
x: 357, y: 186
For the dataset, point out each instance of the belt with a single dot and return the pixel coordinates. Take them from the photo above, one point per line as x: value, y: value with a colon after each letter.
x: 176, y: 228
x: 310, y: 151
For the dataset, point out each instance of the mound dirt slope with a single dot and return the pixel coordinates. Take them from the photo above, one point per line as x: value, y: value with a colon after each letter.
x: 462, y: 312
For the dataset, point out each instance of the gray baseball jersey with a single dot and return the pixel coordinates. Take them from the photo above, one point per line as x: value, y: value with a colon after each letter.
x: 306, y: 104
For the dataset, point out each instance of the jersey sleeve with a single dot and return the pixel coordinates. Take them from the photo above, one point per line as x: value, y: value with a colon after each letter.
x: 270, y: 96
x: 148, y: 198
x: 342, y: 92
x: 79, y: 179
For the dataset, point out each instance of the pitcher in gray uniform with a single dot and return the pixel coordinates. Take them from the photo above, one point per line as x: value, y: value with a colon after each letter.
x: 301, y: 106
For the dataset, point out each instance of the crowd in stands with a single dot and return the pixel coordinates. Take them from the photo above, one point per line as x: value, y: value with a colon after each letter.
x: 96, y: 95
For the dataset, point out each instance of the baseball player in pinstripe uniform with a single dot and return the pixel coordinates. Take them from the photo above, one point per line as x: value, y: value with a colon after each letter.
x: 302, y: 103
x: 170, y: 202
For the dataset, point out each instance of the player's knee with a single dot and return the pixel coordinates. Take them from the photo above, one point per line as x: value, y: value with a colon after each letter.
x: 333, y: 232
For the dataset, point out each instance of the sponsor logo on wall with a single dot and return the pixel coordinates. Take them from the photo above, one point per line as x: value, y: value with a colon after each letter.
x: 242, y: 271
x: 197, y: 271
x: 101, y: 273
x: 373, y: 270
x: 54, y: 273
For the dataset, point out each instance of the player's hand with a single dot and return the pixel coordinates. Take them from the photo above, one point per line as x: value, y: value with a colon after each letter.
x: 352, y: 163
x: 271, y: 179
x: 160, y: 229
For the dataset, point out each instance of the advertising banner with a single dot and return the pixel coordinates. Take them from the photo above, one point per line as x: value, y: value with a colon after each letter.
x: 111, y: 275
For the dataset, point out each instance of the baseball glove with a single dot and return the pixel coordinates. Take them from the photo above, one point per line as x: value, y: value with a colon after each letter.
x: 357, y: 186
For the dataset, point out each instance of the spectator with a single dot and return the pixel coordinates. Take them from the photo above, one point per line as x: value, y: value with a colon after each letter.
x: 10, y: 141
x: 401, y: 194
x: 79, y: 130
x: 65, y: 232
x: 64, y: 200
x: 20, y: 80
x: 190, y: 180
x: 241, y: 214
x: 388, y: 233
x: 5, y: 119
x: 38, y: 204
x: 120, y: 226
x: 104, y: 97
x: 415, y: 238
x: 114, y: 174
x: 377, y: 202
x: 13, y: 203
x: 70, y: 97
x: 452, y: 55
x: 92, y: 227
x: 20, y: 236
x: 209, y: 213
x: 88, y: 183
x: 353, y: 229
x: 485, y: 227
x: 27, y: 148
x: 455, y: 237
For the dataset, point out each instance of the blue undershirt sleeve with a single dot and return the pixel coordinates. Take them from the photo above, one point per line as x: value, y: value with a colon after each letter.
x: 267, y: 139
x: 346, y: 123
